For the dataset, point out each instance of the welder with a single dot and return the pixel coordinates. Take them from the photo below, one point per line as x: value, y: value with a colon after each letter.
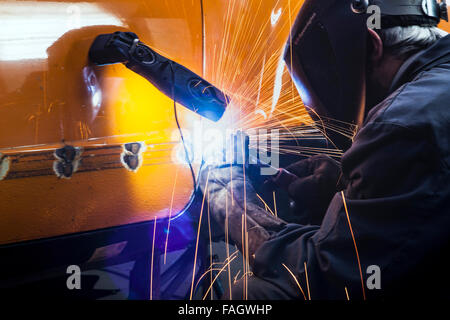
x: 379, y: 224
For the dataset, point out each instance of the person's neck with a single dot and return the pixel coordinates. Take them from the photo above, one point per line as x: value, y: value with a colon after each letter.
x: 380, y: 79
x: 389, y: 69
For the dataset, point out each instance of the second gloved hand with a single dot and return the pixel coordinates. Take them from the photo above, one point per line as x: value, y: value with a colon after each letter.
x: 318, y: 178
x: 235, y: 206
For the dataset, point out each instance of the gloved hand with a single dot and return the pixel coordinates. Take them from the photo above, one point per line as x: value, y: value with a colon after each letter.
x: 315, y: 182
x: 233, y: 202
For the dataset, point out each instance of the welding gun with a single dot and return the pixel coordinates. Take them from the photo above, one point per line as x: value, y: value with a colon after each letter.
x: 171, y: 78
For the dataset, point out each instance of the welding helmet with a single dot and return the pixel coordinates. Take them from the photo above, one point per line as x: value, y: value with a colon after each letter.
x: 326, y: 54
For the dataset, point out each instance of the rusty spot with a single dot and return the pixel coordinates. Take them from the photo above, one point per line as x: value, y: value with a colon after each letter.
x: 131, y: 156
x: 67, y: 161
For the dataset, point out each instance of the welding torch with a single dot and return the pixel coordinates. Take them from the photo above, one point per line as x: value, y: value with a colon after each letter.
x: 171, y: 78
x: 241, y: 154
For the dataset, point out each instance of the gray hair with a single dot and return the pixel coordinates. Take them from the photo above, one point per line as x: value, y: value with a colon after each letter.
x: 405, y: 41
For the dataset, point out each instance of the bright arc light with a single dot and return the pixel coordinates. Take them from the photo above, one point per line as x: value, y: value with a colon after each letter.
x: 278, y: 83
x: 29, y: 28
x: 275, y: 16
x: 208, y: 143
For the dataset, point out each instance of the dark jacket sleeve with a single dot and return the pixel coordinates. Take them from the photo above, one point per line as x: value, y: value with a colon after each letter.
x: 397, y: 198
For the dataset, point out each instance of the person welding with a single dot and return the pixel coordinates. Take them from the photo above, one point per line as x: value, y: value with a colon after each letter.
x: 381, y: 227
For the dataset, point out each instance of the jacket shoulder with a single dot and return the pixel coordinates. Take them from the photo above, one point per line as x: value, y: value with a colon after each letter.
x: 421, y: 105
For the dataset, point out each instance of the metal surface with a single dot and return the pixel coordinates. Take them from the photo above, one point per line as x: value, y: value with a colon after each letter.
x: 51, y: 97
x: 445, y: 25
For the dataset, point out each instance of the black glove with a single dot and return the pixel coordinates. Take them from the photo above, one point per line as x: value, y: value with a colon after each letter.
x: 313, y: 184
x: 233, y: 202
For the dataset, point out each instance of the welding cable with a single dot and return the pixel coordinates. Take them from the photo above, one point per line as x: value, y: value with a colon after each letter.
x: 194, y: 180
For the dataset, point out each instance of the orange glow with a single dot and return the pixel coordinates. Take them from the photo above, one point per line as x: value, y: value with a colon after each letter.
x: 44, y: 104
x: 444, y: 25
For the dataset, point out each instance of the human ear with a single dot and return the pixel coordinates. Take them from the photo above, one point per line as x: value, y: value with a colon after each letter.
x: 377, y: 46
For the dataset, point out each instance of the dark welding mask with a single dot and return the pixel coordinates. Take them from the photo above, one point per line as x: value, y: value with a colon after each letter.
x: 326, y: 55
